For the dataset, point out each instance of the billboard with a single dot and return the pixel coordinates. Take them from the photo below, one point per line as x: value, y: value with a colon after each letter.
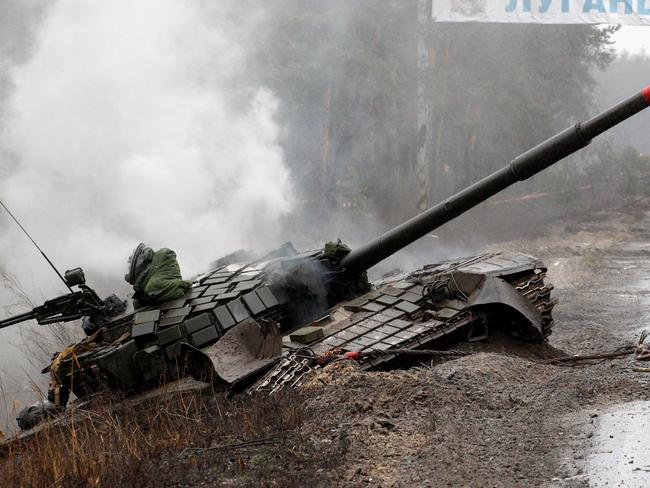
x: 624, y: 12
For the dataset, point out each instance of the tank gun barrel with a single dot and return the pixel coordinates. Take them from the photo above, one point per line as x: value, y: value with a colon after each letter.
x: 521, y: 168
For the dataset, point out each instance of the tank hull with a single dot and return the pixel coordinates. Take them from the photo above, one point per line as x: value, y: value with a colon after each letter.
x: 231, y: 326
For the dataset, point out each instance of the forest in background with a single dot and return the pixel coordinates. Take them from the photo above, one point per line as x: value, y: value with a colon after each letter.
x: 345, y: 76
x: 347, y: 85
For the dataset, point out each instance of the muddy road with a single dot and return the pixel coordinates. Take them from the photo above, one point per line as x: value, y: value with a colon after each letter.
x: 500, y: 417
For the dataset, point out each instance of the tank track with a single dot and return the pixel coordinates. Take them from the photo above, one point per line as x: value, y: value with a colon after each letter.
x: 538, y: 293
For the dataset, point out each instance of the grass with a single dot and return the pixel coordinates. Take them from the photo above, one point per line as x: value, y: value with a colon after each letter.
x: 174, y: 442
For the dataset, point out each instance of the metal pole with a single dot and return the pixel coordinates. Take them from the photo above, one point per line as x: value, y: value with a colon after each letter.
x: 422, y: 165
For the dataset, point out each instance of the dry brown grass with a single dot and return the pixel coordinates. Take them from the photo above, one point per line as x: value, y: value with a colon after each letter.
x: 148, y: 445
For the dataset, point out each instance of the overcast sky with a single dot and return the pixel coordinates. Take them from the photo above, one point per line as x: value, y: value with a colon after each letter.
x: 633, y: 39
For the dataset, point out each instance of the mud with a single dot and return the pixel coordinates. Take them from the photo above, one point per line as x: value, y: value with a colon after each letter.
x: 620, y: 451
x: 500, y: 417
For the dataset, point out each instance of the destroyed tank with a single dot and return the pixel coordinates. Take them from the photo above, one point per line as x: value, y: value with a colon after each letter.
x: 263, y: 324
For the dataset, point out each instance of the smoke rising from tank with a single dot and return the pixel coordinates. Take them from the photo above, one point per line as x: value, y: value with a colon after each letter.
x: 123, y: 122
x: 133, y: 121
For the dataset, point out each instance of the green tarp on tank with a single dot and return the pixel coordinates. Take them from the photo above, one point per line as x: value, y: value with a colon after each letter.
x: 162, y: 281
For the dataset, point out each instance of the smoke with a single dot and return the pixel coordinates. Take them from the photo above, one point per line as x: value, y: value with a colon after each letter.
x: 134, y: 121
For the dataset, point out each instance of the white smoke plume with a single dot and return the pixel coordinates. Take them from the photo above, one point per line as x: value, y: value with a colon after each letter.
x: 133, y: 121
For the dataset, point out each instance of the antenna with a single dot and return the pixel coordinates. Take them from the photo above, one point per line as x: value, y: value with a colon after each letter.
x: 37, y: 247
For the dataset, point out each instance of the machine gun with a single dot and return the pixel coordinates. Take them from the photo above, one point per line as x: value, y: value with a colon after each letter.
x: 73, y: 306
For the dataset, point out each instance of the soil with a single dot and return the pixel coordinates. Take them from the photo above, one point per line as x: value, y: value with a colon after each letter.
x: 499, y: 417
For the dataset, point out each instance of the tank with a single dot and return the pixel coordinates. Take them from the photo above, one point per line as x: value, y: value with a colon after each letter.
x: 264, y: 323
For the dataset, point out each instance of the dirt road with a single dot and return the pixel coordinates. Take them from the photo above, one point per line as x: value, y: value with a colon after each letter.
x: 499, y: 417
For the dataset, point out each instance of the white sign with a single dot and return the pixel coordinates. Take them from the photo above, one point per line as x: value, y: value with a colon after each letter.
x: 626, y: 12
